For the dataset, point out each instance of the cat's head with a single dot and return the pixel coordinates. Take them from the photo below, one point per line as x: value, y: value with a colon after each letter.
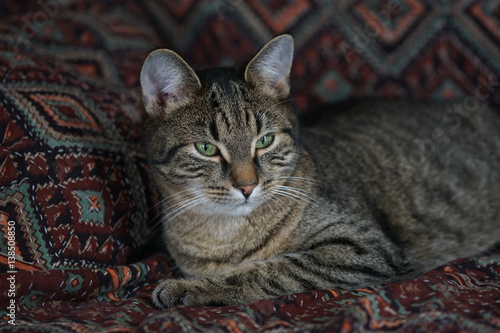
x: 220, y: 141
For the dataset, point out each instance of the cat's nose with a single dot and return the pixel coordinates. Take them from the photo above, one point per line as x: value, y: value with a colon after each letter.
x: 246, y: 189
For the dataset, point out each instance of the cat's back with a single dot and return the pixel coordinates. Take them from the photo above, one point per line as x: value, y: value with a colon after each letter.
x: 416, y: 136
x: 419, y: 171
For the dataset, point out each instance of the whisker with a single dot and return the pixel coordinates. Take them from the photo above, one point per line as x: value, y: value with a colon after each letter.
x: 151, y: 170
x: 183, y: 191
x: 157, y: 225
x: 169, y: 197
x: 187, y: 207
x: 297, y: 195
x: 167, y: 213
x: 278, y: 202
x: 268, y: 205
x: 266, y: 199
x: 299, y: 191
x: 178, y: 194
x: 300, y: 179
x: 182, y: 204
x: 290, y: 196
x: 282, y: 102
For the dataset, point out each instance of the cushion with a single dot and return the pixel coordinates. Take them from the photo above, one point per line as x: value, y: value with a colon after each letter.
x: 74, y: 179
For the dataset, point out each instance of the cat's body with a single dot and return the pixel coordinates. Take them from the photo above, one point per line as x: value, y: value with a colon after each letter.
x: 255, y: 208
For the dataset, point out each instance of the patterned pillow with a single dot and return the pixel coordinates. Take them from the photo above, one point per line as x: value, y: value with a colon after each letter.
x: 73, y: 176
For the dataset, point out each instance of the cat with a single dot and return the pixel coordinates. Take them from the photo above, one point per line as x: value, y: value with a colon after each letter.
x: 255, y: 207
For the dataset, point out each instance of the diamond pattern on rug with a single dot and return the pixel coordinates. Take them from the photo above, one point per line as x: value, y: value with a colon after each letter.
x: 388, y: 21
x: 65, y: 111
x: 279, y: 15
x: 377, y: 47
x: 91, y: 206
x: 487, y: 15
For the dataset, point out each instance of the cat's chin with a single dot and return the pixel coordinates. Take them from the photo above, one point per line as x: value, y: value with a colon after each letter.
x: 236, y: 211
x: 231, y: 210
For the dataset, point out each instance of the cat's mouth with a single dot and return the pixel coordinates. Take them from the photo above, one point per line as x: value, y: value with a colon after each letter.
x: 235, y: 204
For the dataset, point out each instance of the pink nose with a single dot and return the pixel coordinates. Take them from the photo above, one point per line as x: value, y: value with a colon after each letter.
x: 246, y: 189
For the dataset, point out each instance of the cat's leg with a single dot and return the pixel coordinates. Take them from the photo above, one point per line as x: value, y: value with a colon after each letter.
x: 289, y: 273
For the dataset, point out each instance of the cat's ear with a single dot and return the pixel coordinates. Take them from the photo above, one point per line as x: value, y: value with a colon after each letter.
x: 167, y: 82
x: 269, y: 70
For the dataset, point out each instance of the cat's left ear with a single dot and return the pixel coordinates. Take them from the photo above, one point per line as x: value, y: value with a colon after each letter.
x: 269, y: 70
x: 167, y: 82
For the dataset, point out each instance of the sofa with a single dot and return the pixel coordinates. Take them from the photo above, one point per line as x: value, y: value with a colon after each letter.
x: 79, y: 245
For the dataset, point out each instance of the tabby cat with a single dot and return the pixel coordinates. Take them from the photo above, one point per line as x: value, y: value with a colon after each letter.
x: 255, y: 207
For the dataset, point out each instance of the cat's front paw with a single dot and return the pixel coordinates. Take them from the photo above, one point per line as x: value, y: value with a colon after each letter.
x: 172, y: 292
x: 200, y: 292
x: 187, y: 292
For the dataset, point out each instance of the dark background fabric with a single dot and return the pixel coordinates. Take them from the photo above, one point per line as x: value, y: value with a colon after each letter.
x: 75, y: 184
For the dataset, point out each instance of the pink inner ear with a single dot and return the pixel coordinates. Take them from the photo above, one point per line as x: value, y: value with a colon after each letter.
x: 165, y: 98
x: 281, y: 87
x: 160, y: 103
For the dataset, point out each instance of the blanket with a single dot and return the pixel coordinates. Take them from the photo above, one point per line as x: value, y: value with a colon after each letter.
x: 79, y: 246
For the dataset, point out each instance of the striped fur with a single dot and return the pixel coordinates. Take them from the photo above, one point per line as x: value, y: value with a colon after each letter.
x: 378, y: 192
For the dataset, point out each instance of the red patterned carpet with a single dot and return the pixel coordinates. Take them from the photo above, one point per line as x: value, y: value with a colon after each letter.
x: 76, y: 252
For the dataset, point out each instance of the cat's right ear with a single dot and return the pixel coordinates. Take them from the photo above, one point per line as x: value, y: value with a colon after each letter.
x: 269, y: 70
x: 167, y: 82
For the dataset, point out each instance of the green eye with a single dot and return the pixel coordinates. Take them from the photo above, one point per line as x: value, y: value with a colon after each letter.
x: 206, y: 148
x: 265, y: 141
